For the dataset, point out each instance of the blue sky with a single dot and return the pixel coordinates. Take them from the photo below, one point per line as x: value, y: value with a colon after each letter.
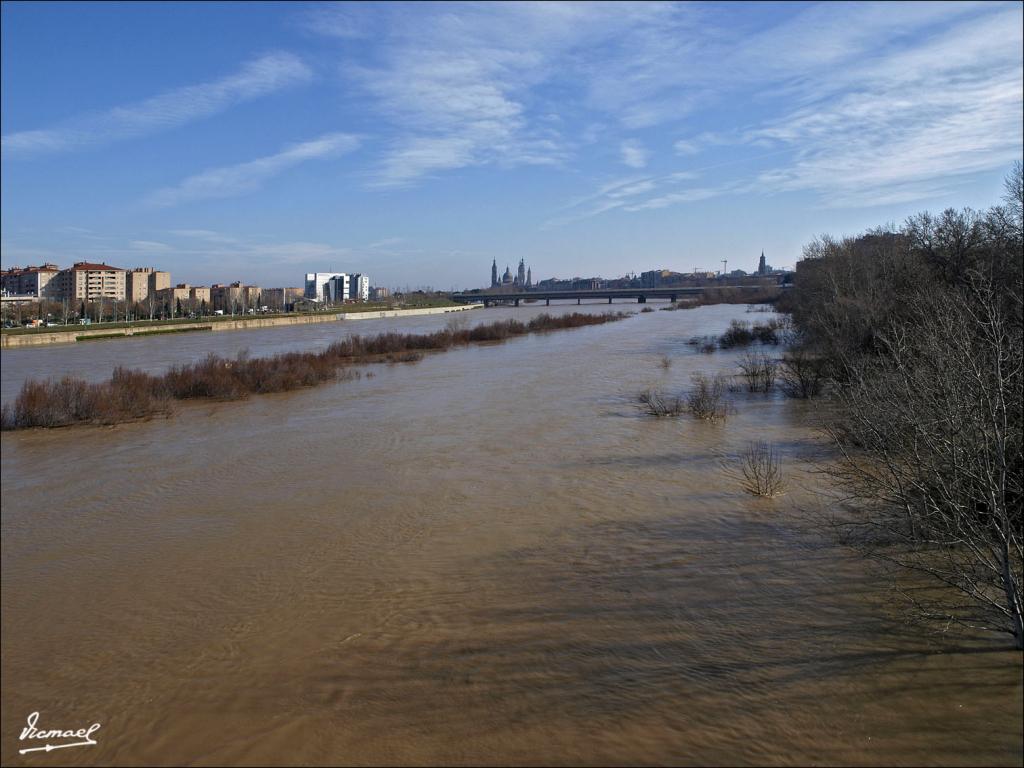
x: 417, y: 142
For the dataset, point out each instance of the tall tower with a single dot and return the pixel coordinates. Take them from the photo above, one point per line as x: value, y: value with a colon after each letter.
x: 762, y: 268
x: 529, y: 278
x: 521, y: 276
x: 494, y: 273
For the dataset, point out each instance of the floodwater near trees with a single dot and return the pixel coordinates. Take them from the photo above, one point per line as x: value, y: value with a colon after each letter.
x: 488, y: 556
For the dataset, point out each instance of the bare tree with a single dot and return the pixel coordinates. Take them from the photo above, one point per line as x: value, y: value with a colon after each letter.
x: 456, y: 321
x: 759, y: 371
x: 802, y: 373
x: 706, y: 399
x: 762, y: 470
x: 930, y: 439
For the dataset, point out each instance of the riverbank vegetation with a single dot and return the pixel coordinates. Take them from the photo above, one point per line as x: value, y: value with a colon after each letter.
x: 728, y: 294
x: 130, y: 395
x: 915, y: 334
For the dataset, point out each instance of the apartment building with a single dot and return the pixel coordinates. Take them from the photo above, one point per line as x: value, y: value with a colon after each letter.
x: 87, y: 281
x: 172, y: 296
x: 37, y: 282
x: 143, y: 281
x: 235, y: 297
x: 198, y: 294
x: 251, y: 296
x: 280, y: 298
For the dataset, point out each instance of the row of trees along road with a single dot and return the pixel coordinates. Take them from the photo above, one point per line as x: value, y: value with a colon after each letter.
x: 919, y: 331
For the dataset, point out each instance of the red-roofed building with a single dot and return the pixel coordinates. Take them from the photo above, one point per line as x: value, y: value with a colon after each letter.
x: 86, y: 281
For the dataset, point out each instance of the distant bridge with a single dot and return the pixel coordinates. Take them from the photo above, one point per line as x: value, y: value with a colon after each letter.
x: 640, y: 294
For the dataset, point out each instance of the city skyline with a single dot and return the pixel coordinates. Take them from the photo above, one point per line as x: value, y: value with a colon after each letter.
x: 258, y: 142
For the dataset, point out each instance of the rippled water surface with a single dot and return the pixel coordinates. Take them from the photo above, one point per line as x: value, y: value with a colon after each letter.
x: 488, y: 556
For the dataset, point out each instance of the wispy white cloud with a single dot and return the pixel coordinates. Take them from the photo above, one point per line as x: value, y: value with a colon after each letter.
x: 461, y: 85
x: 232, y: 180
x: 638, y: 194
x: 341, y: 20
x: 630, y: 190
x: 203, y: 234
x: 256, y: 78
x: 634, y: 154
x: 150, y: 246
x: 686, y: 147
x: 697, y: 144
x: 905, y: 126
x: 675, y: 198
x: 860, y: 104
x: 386, y: 242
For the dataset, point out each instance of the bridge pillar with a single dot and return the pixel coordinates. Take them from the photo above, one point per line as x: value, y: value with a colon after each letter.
x: 517, y: 302
x: 579, y: 301
x: 547, y: 302
x: 609, y: 299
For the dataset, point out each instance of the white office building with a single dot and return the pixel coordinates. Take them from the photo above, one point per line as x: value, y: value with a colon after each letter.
x: 329, y: 287
x: 360, y: 288
x: 335, y: 287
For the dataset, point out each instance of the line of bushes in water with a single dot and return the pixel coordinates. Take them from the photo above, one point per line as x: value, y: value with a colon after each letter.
x: 742, y: 334
x: 131, y: 395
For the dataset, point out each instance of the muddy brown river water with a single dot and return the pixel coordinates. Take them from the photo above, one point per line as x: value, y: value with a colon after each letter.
x: 486, y: 557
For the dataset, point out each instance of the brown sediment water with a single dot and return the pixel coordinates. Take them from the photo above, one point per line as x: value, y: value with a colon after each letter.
x: 488, y: 556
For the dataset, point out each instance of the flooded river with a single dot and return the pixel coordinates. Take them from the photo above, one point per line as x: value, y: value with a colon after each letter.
x: 486, y: 557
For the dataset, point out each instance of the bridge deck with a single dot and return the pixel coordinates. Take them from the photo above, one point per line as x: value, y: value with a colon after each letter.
x: 640, y: 294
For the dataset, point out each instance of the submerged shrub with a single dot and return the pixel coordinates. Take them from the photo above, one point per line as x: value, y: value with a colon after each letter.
x: 762, y: 470
x: 656, y: 403
x: 706, y: 399
x: 704, y: 344
x: 742, y: 334
x: 737, y: 335
x: 759, y: 372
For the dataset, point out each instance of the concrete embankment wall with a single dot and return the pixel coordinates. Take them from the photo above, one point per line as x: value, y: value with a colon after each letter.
x: 405, y: 312
x: 83, y: 333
